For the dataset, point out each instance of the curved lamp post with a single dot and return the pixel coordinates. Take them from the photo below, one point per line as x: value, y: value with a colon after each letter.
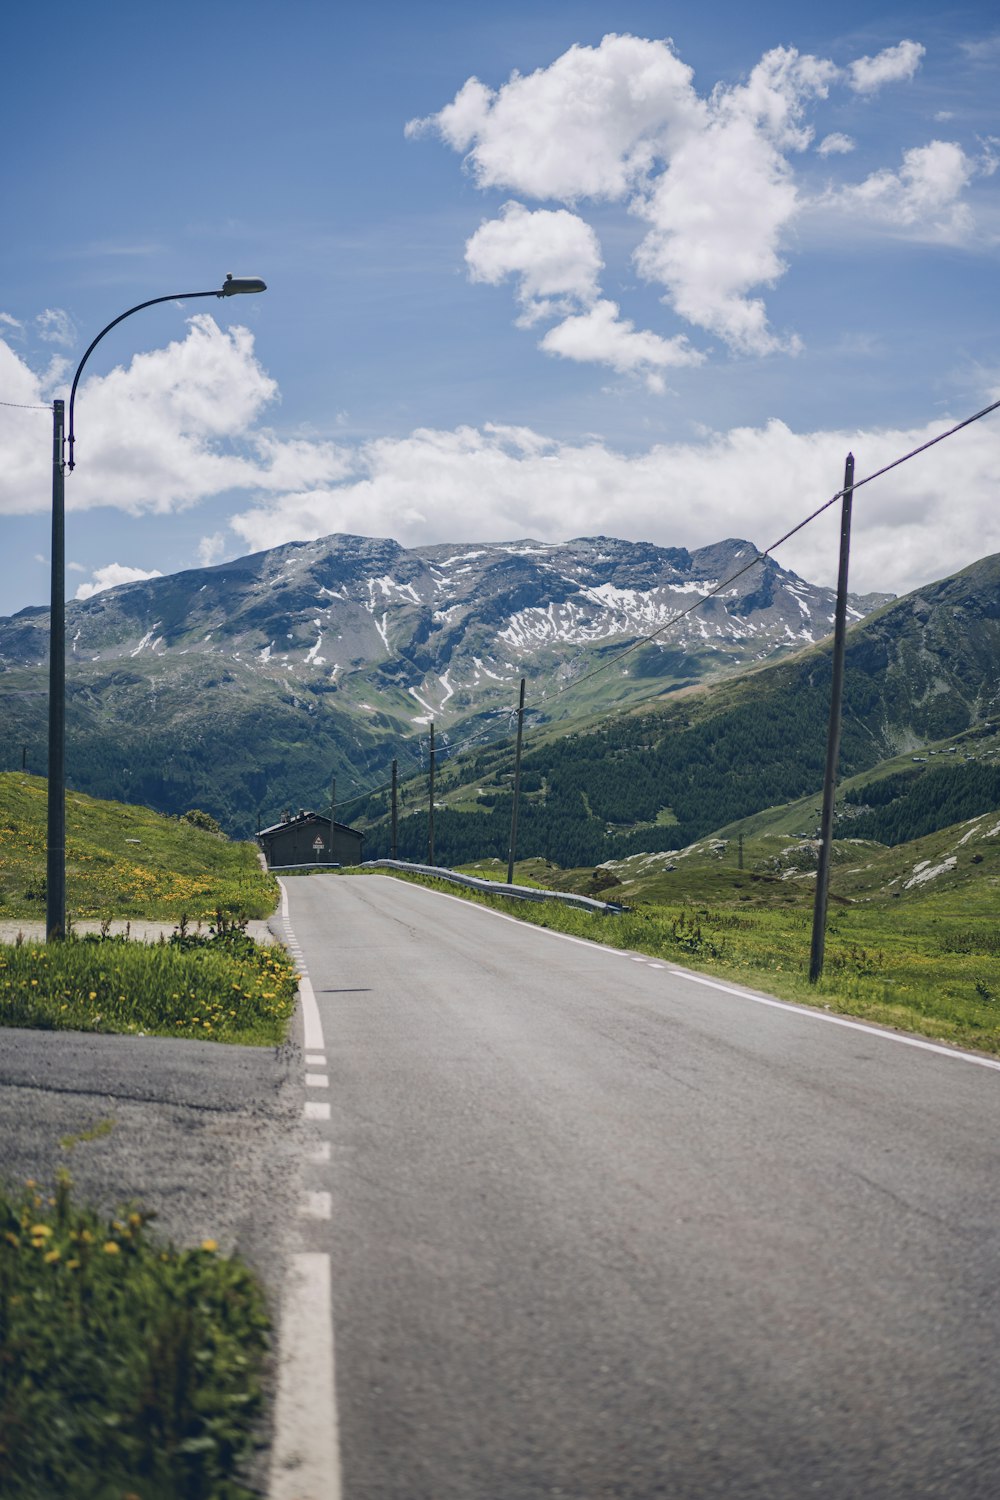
x: 55, y: 901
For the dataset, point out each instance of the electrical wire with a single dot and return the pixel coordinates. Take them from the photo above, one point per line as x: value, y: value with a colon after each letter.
x: 25, y: 406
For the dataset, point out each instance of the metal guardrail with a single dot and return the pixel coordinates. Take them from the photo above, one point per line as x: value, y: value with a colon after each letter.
x: 497, y: 887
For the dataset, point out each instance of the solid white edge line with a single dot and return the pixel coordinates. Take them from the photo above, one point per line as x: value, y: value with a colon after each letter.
x: 822, y: 1015
x: 305, y: 1457
x: 799, y: 1010
x: 311, y: 1023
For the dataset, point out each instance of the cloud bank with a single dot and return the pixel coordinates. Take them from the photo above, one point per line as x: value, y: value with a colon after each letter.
x: 181, y: 424
x: 110, y: 576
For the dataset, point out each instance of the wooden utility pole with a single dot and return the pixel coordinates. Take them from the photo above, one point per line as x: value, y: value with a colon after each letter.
x: 833, y: 732
x: 740, y: 846
x: 430, y: 809
x: 333, y: 808
x: 517, y: 790
x: 395, y: 815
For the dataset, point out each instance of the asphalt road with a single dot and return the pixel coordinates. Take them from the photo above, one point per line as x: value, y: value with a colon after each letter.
x: 599, y: 1230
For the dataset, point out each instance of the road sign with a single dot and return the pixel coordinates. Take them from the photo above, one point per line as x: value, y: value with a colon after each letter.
x: 318, y: 845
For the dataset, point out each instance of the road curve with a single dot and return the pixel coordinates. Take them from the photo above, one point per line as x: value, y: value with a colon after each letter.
x: 598, y: 1230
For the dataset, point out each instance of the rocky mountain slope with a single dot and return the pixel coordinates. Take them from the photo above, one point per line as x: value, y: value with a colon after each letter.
x: 244, y: 686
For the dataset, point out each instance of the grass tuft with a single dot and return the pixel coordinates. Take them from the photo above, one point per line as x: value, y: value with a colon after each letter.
x: 221, y: 987
x: 129, y: 1370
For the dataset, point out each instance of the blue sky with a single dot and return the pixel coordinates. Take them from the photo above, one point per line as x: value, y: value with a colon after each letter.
x: 617, y: 285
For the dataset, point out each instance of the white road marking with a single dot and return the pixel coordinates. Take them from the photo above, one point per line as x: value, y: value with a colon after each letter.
x: 311, y: 1023
x: 305, y: 1458
x: 799, y: 1010
x: 823, y: 1015
x: 317, y: 1206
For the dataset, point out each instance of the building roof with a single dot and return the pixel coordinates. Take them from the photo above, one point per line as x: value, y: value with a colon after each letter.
x: 302, y: 820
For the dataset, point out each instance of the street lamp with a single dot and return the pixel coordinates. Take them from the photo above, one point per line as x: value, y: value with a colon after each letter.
x: 55, y: 879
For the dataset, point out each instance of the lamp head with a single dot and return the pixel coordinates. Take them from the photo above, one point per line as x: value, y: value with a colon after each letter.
x: 233, y: 286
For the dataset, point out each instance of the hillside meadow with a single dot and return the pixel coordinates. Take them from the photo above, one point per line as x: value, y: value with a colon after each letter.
x: 123, y: 861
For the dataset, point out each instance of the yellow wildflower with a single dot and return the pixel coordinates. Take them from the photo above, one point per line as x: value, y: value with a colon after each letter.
x: 41, y: 1230
x: 112, y: 1248
x: 210, y: 1245
x: 52, y: 1256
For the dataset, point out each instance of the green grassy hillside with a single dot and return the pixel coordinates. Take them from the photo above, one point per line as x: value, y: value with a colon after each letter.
x: 122, y: 861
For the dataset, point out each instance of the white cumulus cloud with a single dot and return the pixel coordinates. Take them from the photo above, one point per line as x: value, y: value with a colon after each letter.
x: 588, y: 126
x: 893, y: 65
x: 711, y: 178
x: 171, y: 428
x: 603, y: 336
x: 553, y: 255
x: 111, y: 575
x: 924, y: 194
x: 56, y: 327
x: 836, y: 144
x: 211, y: 548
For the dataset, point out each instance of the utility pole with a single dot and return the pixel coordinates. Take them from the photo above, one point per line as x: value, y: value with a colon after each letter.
x: 333, y: 806
x: 395, y: 815
x: 430, y: 809
x: 740, y: 846
x: 55, y: 871
x: 517, y: 789
x: 833, y: 732
x: 24, y: 757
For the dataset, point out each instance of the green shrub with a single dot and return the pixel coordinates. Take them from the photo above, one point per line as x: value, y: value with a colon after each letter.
x: 129, y: 1370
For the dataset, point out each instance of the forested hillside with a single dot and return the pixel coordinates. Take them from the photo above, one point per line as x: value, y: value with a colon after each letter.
x: 914, y: 803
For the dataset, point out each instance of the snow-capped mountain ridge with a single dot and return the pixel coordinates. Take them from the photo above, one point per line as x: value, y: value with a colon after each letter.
x: 449, y: 627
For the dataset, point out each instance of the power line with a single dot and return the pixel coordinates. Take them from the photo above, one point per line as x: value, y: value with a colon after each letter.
x: 25, y: 406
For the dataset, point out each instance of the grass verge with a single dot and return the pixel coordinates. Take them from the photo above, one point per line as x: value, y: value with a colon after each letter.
x: 931, y: 967
x: 123, y: 861
x: 129, y: 1370
x: 223, y: 987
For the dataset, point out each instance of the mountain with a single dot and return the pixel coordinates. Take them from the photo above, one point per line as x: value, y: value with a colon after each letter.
x: 241, y: 688
x: 918, y: 671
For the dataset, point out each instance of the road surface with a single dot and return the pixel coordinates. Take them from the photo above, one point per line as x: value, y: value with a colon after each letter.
x: 598, y: 1229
